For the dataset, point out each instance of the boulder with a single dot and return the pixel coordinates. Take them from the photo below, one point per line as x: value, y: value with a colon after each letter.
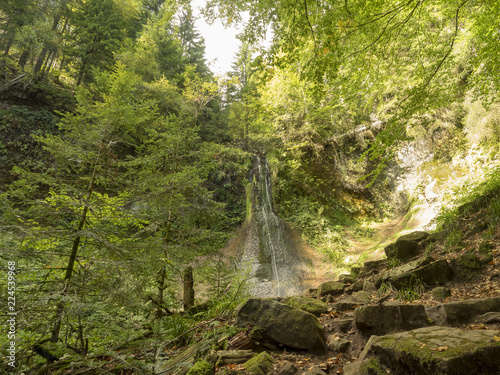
x: 464, y: 311
x: 314, y: 370
x: 365, y: 367
x: 342, y: 325
x: 439, y: 350
x: 311, y: 305
x: 282, y: 323
x: 288, y: 369
x: 356, y: 287
x: 332, y: 288
x: 417, y: 236
x: 338, y: 344
x: 423, y: 270
x: 381, y: 319
x: 260, y: 364
x: 401, y: 250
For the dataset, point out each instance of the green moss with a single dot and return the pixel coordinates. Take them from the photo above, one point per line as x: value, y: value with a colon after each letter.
x: 260, y: 364
x: 469, y: 261
x: 307, y: 304
x: 372, y: 367
x: 201, y: 368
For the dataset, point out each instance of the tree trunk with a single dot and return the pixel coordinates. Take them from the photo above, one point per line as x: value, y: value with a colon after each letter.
x: 188, y: 288
x: 74, y: 250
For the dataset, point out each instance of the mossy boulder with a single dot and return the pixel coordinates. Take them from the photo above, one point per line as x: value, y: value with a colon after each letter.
x: 260, y: 364
x: 282, y: 323
x: 439, y: 350
x: 311, y: 305
x: 201, y: 368
x: 417, y: 236
x: 440, y: 293
x: 331, y: 288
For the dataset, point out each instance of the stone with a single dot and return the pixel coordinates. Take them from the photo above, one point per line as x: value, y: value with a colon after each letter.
x: 347, y: 279
x: 311, y: 305
x: 261, y: 364
x: 288, y: 369
x: 201, y: 368
x: 381, y: 319
x: 338, y: 344
x: 439, y: 350
x: 465, y: 311
x: 282, y: 323
x: 369, y: 286
x: 488, y: 318
x: 425, y: 271
x: 342, y: 325
x: 233, y: 356
x: 363, y: 296
x: 311, y: 292
x: 356, y: 287
x: 343, y: 306
x: 314, y: 370
x: 417, y: 236
x: 365, y: 367
x: 402, y: 250
x: 332, y: 288
x: 440, y: 293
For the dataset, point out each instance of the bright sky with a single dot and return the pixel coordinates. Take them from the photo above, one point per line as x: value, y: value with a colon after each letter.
x: 221, y: 44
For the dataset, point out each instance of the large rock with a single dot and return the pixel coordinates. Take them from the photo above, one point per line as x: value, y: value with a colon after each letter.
x: 261, y: 364
x: 282, y: 323
x: 332, y: 288
x: 311, y: 305
x: 381, y: 319
x: 417, y: 236
x: 424, y: 270
x: 439, y: 350
x: 464, y: 311
x: 401, y: 250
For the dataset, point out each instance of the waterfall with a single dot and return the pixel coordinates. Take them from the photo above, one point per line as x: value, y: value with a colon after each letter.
x: 270, y: 254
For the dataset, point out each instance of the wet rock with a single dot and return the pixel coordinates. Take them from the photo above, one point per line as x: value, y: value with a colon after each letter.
x: 402, y: 250
x: 381, y: 319
x: 311, y: 305
x: 439, y: 350
x: 424, y: 270
x: 464, y: 311
x: 332, y: 288
x: 260, y: 364
x: 440, y: 293
x: 282, y: 323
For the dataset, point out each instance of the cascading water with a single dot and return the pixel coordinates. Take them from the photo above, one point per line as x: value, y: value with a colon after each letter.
x: 269, y: 253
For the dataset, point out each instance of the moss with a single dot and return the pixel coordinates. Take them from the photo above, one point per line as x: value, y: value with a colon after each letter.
x: 260, y: 364
x: 201, y: 368
x: 372, y: 367
x: 307, y: 304
x: 469, y: 261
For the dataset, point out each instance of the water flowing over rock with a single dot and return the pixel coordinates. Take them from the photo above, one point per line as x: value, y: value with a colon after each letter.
x: 268, y: 250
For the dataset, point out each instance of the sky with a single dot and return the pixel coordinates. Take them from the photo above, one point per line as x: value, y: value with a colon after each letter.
x: 221, y: 44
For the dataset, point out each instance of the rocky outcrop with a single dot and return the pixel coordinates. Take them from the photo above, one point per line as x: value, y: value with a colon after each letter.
x: 435, y: 350
x: 406, y: 247
x: 381, y: 319
x: 282, y: 323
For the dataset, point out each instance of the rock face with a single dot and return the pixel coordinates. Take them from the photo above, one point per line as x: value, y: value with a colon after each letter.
x: 282, y: 323
x: 438, y: 350
x: 381, y: 319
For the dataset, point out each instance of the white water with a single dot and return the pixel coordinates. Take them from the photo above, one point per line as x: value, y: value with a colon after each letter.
x: 269, y: 253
